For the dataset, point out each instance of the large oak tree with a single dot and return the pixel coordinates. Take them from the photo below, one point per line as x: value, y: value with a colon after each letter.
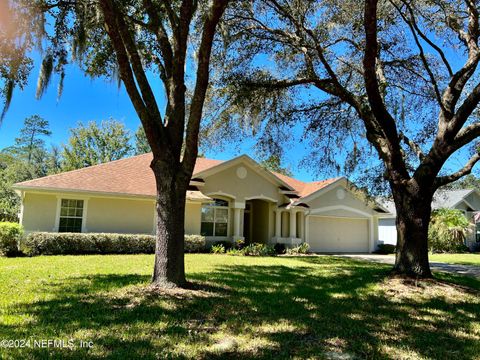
x: 143, y: 42
x: 402, y: 74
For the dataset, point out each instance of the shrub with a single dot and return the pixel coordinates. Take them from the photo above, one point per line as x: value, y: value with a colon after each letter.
x: 257, y: 249
x: 235, y: 252
x: 226, y: 244
x: 41, y: 243
x: 254, y: 249
x: 280, y: 248
x: 195, y: 243
x: 10, y: 234
x: 448, y: 230
x: 303, y: 248
x: 239, y: 244
x: 218, y: 249
x: 385, y: 249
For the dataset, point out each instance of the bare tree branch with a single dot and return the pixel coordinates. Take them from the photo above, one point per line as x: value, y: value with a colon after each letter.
x: 464, y: 111
x: 466, y: 135
x: 413, y: 29
x: 413, y: 145
x: 427, y: 39
x: 467, y: 169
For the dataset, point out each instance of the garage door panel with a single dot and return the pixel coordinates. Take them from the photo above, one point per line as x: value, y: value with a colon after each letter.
x: 330, y: 234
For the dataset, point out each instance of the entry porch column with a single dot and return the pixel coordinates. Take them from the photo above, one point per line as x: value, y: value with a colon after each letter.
x: 237, y: 220
x: 293, y: 223
x: 278, y: 223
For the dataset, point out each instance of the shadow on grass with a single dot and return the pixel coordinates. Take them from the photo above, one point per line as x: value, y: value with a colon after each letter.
x: 327, y: 306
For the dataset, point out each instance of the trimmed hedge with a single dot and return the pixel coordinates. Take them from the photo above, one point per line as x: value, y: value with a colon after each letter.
x: 10, y: 234
x: 195, y: 243
x: 82, y: 244
x: 385, y: 249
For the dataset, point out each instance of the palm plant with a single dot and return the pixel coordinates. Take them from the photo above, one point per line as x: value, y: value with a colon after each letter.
x: 448, y: 230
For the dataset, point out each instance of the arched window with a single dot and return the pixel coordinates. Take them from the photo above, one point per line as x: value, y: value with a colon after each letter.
x: 215, y: 218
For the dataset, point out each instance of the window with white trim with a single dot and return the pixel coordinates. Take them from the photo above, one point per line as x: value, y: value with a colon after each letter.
x: 215, y: 218
x: 71, y: 216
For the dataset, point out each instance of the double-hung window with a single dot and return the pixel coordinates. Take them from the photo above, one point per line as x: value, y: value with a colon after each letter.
x: 71, y: 216
x: 215, y: 218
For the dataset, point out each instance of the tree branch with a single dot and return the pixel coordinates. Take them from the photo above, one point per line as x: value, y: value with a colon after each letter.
x: 136, y: 64
x: 386, y: 123
x: 202, y: 79
x: 413, y: 29
x: 413, y: 145
x: 467, y: 169
x: 427, y: 39
x: 127, y: 76
x: 162, y: 37
x: 464, y: 111
x: 458, y: 81
x: 466, y: 135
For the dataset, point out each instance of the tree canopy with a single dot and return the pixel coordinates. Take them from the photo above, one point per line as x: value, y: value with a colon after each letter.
x: 31, y: 140
x: 92, y: 144
x: 141, y: 142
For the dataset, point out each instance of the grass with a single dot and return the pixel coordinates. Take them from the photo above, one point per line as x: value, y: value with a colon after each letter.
x: 463, y: 259
x: 244, y: 307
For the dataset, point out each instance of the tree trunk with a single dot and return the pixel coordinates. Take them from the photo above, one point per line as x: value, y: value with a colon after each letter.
x: 169, y: 269
x: 413, y: 217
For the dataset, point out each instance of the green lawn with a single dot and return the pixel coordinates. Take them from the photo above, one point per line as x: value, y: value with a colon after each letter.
x: 243, y: 307
x: 464, y: 259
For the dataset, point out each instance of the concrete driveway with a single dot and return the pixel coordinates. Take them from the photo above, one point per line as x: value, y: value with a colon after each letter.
x: 469, y: 270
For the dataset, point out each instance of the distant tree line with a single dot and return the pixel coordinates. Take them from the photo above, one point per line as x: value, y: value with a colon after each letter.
x: 89, y: 144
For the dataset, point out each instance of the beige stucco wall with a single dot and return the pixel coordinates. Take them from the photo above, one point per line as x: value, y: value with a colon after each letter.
x: 39, y: 212
x: 254, y: 185
x: 108, y: 215
x: 193, y: 217
x: 330, y: 198
x: 120, y: 216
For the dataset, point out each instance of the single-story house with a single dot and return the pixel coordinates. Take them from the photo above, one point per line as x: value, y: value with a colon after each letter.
x: 466, y: 200
x: 227, y: 200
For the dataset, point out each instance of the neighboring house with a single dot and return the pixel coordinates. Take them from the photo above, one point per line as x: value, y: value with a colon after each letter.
x: 467, y: 201
x: 227, y: 200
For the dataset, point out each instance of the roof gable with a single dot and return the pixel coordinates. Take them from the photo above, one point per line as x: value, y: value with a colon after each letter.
x: 326, y: 186
x: 305, y: 189
x: 270, y: 176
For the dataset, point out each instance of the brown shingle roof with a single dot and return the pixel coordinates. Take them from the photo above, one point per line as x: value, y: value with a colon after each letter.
x: 305, y: 188
x: 132, y: 176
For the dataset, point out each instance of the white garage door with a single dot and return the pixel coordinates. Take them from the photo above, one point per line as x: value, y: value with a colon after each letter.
x: 333, y: 234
